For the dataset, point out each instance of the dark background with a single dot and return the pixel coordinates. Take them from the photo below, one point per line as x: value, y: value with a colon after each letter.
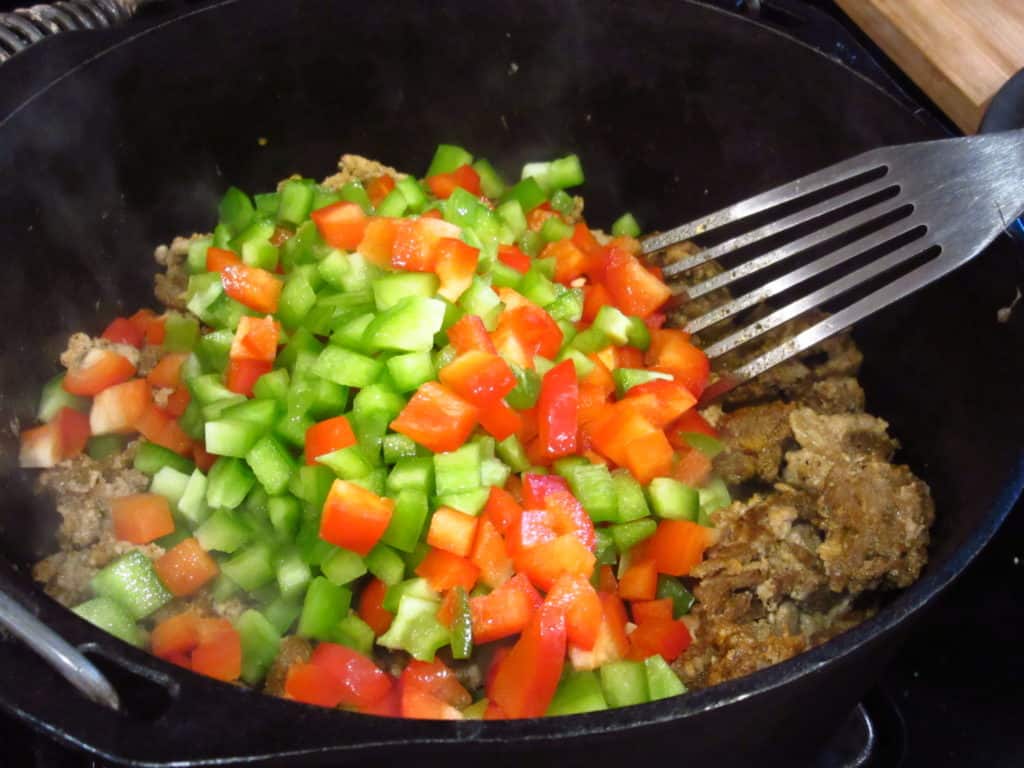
x: 952, y: 697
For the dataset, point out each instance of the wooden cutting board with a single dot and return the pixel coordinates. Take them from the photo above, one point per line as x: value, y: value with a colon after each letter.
x: 959, y: 52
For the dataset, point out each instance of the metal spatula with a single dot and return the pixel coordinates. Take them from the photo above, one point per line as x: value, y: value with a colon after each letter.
x: 932, y: 206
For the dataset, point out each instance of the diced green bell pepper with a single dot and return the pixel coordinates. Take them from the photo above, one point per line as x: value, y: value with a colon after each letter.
x: 131, y: 582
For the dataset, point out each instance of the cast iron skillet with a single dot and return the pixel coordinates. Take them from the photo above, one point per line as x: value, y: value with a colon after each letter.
x: 675, y: 109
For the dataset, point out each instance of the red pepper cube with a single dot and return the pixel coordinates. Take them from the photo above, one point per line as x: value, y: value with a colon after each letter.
x: 455, y: 264
x: 452, y: 531
x: 545, y: 562
x: 141, y: 518
x: 528, y: 676
x: 328, y: 436
x: 362, y: 682
x: 557, y: 419
x: 243, y: 374
x: 354, y: 517
x: 482, y: 378
x: 341, y: 225
x: 436, y: 418
x: 504, y: 612
x: 97, y: 370
x: 253, y: 287
x: 255, y: 339
x: 677, y: 546
x: 633, y: 288
x: 443, y: 571
x: 185, y: 568
x: 468, y: 333
x: 671, y: 351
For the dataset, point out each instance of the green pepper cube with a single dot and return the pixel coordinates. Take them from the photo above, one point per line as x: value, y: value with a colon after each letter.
x: 112, y: 618
x: 662, y: 682
x: 343, y: 566
x: 323, y: 608
x: 386, y: 564
x: 391, y: 288
x: 408, y: 326
x: 348, y: 368
x: 592, y: 485
x: 261, y: 642
x: 682, y: 598
x: 407, y: 519
x: 223, y: 531
x: 577, y: 693
x: 251, y: 567
x: 624, y: 683
x: 228, y: 483
x: 628, y: 535
x: 415, y: 629
x: 131, y: 582
x: 673, y: 500
x: 457, y: 470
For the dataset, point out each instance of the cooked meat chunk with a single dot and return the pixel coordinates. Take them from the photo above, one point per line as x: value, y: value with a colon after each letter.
x: 81, y: 344
x: 754, y: 438
x: 170, y: 285
x: 294, y: 650
x: 358, y: 168
x: 827, y: 439
x: 876, y: 517
x: 840, y: 394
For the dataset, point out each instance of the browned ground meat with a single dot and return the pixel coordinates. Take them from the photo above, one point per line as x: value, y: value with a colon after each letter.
x: 358, y: 168
x: 754, y: 439
x: 294, y: 650
x: 170, y: 286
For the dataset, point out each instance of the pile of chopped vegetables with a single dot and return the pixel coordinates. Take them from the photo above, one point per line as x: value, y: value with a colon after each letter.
x: 422, y: 416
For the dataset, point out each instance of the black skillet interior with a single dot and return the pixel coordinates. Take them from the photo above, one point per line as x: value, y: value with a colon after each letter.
x: 675, y: 109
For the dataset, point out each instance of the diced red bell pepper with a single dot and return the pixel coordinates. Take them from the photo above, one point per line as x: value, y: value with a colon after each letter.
x: 203, y: 458
x: 355, y: 517
x: 153, y: 326
x: 379, y: 240
x: 595, y: 296
x: 557, y: 420
x: 672, y: 352
x: 511, y: 256
x: 218, y: 258
x: 583, y: 611
x: 662, y: 402
x: 341, y: 224
x: 418, y: 703
x: 167, y: 372
x: 544, y: 563
x: 452, y: 531
x: 482, y: 378
x: 639, y: 582
x: 437, y: 679
x: 611, y: 644
x: 389, y: 706
x: 455, y: 264
x: 655, y: 321
x: 567, y: 515
x: 613, y: 432
x: 570, y: 261
x: 534, y: 328
x: 436, y: 418
x: 219, y: 653
x: 442, y: 185
x: 123, y: 331
x: 185, y: 568
x: 535, y: 219
x: 606, y: 581
x: 691, y: 421
x: 253, y: 287
x: 363, y: 683
x: 677, y: 546
x: 141, y: 518
x: 157, y: 427
x: 659, y: 637
x: 178, y: 634
x: 255, y: 339
x: 119, y: 408
x: 692, y: 467
x: 500, y: 420
x: 98, y: 369
x: 379, y: 187
x: 177, y: 402
x: 628, y: 357
x: 414, y: 248
x: 645, y: 610
x: 649, y: 456
x: 243, y: 375
x: 527, y: 677
x: 371, y: 607
x: 443, y: 571
x: 537, y: 487
x: 532, y: 527
x: 328, y: 436
x: 502, y: 510
x: 584, y: 239
x: 634, y: 290
x: 311, y: 684
x: 469, y: 334
x: 504, y: 612
x: 490, y: 555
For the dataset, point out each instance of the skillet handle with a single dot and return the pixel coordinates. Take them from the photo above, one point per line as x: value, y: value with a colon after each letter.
x: 24, y: 27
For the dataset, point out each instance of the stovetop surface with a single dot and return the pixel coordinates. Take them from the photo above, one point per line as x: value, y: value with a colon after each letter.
x: 953, y: 696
